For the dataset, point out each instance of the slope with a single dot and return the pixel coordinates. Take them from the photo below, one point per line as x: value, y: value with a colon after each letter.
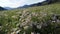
x: 46, y: 19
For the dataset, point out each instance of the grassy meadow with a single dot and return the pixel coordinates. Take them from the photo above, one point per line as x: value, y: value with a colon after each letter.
x: 21, y: 20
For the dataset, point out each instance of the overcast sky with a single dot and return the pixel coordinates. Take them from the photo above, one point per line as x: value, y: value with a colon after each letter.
x: 17, y: 3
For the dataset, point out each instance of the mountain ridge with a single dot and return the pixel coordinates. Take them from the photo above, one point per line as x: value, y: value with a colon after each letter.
x: 40, y: 3
x: 1, y: 8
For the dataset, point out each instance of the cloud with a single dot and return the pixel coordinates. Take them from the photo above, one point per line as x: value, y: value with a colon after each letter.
x: 16, y: 3
x: 34, y: 1
x: 11, y: 3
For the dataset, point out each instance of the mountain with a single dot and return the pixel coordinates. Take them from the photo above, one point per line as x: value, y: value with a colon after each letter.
x: 25, y: 6
x: 1, y: 8
x: 35, y: 4
x: 31, y: 5
x: 7, y: 8
x: 40, y: 3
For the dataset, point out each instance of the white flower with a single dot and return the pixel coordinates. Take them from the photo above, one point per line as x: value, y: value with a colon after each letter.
x: 14, y: 16
x: 5, y: 15
x: 26, y: 27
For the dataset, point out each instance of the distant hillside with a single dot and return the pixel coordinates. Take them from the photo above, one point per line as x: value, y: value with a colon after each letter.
x: 7, y: 8
x: 1, y: 8
x: 32, y: 5
x: 41, y: 3
x: 52, y: 1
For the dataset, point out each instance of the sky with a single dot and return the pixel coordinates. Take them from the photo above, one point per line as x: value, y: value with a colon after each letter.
x: 17, y: 3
